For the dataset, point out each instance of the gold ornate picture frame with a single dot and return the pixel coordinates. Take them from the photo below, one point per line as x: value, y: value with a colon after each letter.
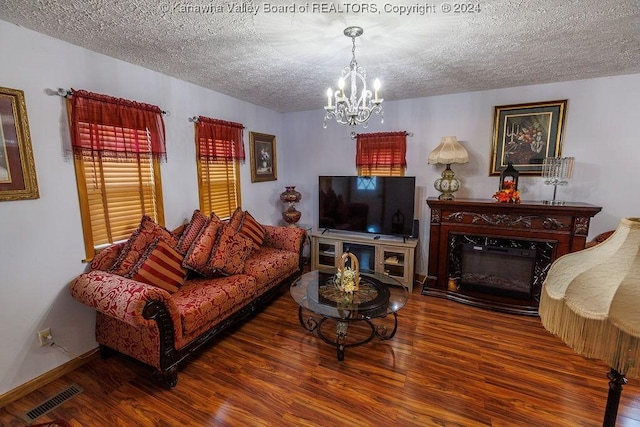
x: 17, y: 168
x: 524, y: 134
x: 263, y: 157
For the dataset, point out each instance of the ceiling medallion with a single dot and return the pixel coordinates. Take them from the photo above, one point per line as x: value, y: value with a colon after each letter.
x: 361, y: 103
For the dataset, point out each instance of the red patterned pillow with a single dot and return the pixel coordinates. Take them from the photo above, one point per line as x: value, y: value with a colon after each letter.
x: 160, y: 266
x: 236, y: 219
x: 230, y: 252
x: 144, y: 235
x: 191, y: 231
x: 252, y: 229
x: 199, y: 252
x: 105, y: 259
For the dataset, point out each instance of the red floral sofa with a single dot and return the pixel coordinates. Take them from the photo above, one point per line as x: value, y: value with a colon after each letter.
x: 145, y: 310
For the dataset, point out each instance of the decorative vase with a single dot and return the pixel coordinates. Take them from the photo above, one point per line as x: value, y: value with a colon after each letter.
x: 291, y: 216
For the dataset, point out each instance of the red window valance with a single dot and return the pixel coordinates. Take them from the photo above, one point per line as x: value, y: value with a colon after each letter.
x: 383, y: 149
x: 219, y: 140
x: 115, y: 128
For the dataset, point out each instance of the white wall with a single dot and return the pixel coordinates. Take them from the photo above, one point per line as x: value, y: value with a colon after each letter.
x: 42, y: 239
x: 598, y: 133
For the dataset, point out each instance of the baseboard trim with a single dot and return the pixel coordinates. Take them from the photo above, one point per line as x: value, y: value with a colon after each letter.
x: 44, y: 379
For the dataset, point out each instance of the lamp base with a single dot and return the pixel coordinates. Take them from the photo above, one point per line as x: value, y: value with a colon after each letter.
x: 291, y: 216
x: 616, y: 381
x: 447, y: 184
x: 446, y: 196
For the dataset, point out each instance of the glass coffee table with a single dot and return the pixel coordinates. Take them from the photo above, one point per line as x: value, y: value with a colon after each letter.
x: 378, y: 296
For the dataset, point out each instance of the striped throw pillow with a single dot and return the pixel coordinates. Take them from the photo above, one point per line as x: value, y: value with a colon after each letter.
x: 161, y: 266
x: 252, y: 229
x: 132, y: 251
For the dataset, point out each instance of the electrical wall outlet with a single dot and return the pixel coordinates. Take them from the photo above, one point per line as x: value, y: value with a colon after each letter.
x: 45, y: 337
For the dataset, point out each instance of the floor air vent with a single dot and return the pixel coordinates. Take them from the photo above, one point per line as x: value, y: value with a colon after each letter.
x: 52, y: 403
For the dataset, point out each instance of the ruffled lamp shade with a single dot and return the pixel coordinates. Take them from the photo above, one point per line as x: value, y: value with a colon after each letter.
x: 448, y: 151
x: 591, y: 300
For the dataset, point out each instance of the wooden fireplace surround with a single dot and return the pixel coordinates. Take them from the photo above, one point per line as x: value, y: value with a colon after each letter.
x: 562, y: 227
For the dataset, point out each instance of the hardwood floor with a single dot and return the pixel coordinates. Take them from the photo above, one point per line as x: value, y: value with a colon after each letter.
x: 448, y: 365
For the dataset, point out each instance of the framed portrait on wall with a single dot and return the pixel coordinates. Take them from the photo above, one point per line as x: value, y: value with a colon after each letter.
x: 17, y: 168
x: 524, y: 134
x: 263, y: 157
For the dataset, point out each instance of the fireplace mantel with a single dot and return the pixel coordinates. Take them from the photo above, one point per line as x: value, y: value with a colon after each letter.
x: 560, y: 228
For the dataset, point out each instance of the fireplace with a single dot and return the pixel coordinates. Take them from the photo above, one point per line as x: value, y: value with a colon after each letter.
x: 526, y: 261
x: 500, y: 270
x: 544, y: 232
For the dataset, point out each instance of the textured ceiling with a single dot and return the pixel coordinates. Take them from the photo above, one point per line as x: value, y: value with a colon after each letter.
x: 285, y: 60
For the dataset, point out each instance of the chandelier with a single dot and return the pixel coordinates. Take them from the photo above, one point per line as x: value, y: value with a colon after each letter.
x: 358, y: 107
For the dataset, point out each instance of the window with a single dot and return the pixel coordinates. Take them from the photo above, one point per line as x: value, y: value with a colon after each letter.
x: 381, y: 154
x: 117, y: 147
x: 219, y: 151
x: 219, y: 187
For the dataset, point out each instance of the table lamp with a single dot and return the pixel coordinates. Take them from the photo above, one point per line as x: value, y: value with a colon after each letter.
x: 291, y: 215
x: 447, y: 152
x: 590, y: 299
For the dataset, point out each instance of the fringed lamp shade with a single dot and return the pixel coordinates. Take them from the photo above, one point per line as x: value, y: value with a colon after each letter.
x: 591, y: 300
x: 447, y: 152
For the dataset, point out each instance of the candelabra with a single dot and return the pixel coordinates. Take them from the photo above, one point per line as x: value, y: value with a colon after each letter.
x: 557, y: 171
x: 358, y: 107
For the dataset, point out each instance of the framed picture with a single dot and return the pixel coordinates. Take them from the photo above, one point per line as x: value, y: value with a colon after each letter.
x: 263, y: 157
x: 525, y: 134
x: 17, y: 168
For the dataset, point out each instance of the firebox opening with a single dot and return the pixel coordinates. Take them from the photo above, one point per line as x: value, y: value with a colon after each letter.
x: 498, y: 270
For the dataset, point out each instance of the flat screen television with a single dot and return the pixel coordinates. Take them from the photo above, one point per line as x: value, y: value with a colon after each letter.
x: 378, y: 204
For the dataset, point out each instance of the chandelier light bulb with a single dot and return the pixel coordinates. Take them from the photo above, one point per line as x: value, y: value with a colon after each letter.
x: 376, y: 88
x: 329, y: 95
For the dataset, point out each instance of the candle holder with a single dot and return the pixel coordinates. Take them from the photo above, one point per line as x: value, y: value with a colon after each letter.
x: 557, y: 171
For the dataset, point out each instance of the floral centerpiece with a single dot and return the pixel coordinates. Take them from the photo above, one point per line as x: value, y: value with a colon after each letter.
x: 347, y: 279
x: 508, y: 193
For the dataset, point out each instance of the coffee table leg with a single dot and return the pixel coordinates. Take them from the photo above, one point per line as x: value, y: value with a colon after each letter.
x: 381, y: 331
x: 310, y: 324
x: 341, y: 335
x: 342, y: 326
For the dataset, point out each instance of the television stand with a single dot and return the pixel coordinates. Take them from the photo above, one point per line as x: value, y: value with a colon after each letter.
x: 376, y: 253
